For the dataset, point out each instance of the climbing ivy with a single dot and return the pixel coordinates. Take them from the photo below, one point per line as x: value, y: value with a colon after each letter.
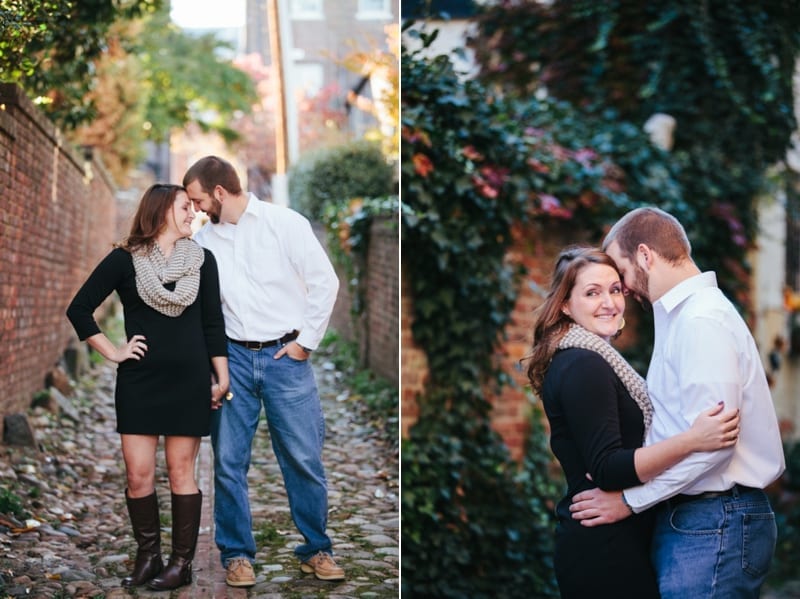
x: 474, y: 166
x: 722, y: 68
x: 348, y: 225
x: 479, y: 156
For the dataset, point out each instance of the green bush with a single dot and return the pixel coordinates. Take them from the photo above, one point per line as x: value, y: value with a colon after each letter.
x: 337, y: 175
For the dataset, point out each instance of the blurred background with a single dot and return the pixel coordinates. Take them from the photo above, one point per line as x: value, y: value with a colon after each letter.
x: 99, y: 99
x: 530, y: 125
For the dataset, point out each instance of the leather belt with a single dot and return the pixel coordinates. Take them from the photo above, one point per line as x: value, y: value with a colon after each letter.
x: 259, y: 345
x: 735, y: 489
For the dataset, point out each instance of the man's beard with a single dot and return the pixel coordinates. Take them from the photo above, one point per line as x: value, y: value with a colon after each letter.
x: 215, y: 211
x: 642, y: 284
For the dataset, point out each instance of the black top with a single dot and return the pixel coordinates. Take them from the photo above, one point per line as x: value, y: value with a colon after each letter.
x: 168, y: 391
x: 595, y: 428
x: 595, y: 424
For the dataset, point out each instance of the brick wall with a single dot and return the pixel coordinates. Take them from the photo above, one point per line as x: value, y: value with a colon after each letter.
x: 57, y: 220
x: 377, y: 329
x: 414, y: 362
x: 535, y: 248
x: 381, y: 349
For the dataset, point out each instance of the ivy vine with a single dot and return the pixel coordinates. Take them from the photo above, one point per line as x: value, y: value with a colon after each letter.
x: 722, y: 68
x: 474, y: 165
x: 479, y: 156
x: 349, y: 224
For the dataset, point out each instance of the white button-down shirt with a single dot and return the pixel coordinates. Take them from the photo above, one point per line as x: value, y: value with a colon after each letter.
x: 274, y: 274
x: 703, y: 354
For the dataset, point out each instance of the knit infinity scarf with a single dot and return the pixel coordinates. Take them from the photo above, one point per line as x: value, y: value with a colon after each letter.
x: 579, y: 337
x: 153, y: 271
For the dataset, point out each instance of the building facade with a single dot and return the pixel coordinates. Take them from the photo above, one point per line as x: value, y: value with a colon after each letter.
x: 321, y: 34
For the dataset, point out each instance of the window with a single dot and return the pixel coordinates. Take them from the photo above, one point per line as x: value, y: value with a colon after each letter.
x: 308, y: 78
x: 374, y: 9
x: 307, y: 9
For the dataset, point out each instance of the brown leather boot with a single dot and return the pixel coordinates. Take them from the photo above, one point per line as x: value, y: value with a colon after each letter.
x: 143, y: 512
x: 185, y: 526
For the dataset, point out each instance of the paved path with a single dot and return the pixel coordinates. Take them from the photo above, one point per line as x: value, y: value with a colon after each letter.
x: 82, y: 544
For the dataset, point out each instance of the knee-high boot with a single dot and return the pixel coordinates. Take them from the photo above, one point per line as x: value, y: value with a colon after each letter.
x: 143, y: 512
x: 185, y: 526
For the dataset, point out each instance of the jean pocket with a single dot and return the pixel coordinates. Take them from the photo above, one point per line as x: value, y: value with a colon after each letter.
x: 697, y: 518
x: 759, y: 534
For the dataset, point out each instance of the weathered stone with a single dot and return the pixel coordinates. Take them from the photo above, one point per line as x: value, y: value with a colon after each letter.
x: 18, y: 431
x: 76, y: 359
x: 67, y: 409
x: 46, y: 401
x: 58, y: 378
x: 84, y: 545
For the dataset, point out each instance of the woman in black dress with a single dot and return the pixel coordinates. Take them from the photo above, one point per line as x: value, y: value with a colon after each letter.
x: 169, y: 289
x: 599, y: 411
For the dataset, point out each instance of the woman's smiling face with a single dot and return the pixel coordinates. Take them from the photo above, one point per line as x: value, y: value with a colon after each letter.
x: 596, y: 301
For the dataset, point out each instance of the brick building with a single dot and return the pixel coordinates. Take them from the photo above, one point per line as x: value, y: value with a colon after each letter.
x: 322, y: 34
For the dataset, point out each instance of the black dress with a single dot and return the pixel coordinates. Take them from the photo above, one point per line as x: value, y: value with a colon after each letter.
x: 168, y: 391
x: 595, y: 427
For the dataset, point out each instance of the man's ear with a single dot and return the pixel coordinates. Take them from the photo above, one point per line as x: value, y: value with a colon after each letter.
x: 644, y: 256
x: 218, y: 193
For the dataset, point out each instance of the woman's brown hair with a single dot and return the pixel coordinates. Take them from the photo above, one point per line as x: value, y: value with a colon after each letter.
x: 551, y: 323
x: 151, y: 216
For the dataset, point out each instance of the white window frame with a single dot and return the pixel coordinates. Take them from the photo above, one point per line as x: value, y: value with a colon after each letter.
x: 372, y: 14
x: 302, y: 13
x: 317, y: 72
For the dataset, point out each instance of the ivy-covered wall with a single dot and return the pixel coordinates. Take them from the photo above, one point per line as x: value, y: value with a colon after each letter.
x: 376, y: 327
x: 535, y: 249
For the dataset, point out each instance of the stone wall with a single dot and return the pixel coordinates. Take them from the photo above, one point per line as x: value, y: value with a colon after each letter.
x: 58, y: 219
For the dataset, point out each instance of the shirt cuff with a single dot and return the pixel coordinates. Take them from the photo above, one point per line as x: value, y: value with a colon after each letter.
x: 638, y: 499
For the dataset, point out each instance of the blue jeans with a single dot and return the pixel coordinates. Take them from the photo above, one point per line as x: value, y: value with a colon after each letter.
x: 288, y: 391
x: 718, y: 548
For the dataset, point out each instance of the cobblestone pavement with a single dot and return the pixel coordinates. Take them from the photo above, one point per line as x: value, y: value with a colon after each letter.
x: 78, y: 542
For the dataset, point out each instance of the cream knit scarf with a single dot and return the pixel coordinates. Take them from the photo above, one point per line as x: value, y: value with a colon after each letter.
x: 153, y: 271
x: 579, y: 337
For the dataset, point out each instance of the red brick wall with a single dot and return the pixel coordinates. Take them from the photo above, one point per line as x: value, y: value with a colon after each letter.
x: 57, y: 220
x: 377, y: 329
x: 381, y: 350
x: 413, y: 362
x: 535, y: 248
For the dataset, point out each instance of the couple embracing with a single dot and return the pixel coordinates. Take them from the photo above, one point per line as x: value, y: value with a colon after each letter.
x: 216, y: 326
x: 665, y: 476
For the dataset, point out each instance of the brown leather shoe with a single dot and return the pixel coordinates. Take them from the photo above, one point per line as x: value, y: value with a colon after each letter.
x: 323, y: 567
x: 240, y: 573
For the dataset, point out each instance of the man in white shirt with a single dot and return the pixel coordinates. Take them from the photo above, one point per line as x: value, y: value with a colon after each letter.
x: 278, y: 288
x: 715, y: 529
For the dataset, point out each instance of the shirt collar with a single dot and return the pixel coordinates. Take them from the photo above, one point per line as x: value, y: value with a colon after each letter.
x: 675, y: 296
x: 252, y: 204
x: 227, y: 230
